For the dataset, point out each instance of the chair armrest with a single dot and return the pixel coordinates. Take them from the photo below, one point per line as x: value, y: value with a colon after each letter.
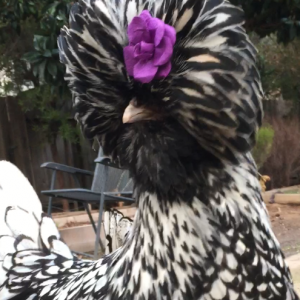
x: 65, y: 168
x: 106, y: 161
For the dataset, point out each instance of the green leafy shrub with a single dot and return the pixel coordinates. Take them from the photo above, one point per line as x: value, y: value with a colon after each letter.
x: 263, y: 145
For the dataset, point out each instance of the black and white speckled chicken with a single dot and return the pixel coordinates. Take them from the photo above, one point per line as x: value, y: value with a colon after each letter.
x: 179, y: 107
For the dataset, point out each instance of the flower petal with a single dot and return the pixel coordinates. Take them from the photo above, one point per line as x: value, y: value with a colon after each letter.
x: 137, y: 50
x: 170, y: 32
x: 159, y: 32
x: 147, y: 47
x: 157, y: 29
x: 163, y: 71
x: 163, y: 52
x: 129, y: 59
x: 145, y: 15
x: 150, y: 49
x: 144, y: 71
x: 137, y: 31
x: 143, y: 51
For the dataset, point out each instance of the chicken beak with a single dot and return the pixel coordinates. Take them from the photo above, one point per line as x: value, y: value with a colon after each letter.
x: 134, y: 114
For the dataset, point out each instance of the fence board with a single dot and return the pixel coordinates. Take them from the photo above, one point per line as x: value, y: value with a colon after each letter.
x: 4, y: 132
x: 23, y: 146
x: 18, y: 136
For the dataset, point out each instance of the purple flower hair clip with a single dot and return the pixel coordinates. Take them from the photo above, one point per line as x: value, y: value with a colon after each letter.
x: 150, y: 49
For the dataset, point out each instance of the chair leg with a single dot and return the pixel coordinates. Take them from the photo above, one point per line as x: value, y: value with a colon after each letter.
x: 98, y: 239
x: 86, y: 206
x: 101, y: 205
x: 51, y: 188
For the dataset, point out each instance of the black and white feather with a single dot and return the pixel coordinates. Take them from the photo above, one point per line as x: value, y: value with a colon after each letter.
x: 201, y: 230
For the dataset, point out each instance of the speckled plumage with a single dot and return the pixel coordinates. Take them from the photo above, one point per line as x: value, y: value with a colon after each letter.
x: 201, y: 231
x: 218, y: 246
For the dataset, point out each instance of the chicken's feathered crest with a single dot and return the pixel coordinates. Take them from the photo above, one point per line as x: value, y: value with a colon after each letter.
x: 213, y: 89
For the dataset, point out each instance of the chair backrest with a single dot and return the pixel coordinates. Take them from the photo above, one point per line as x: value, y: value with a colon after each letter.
x: 117, y: 180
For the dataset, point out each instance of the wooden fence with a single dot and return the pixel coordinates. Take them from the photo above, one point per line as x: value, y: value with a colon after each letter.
x: 21, y: 145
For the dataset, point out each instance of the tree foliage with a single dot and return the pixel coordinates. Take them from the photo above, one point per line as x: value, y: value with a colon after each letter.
x: 44, y: 19
x: 272, y: 16
x: 264, y: 141
x: 279, y: 68
x: 28, y: 47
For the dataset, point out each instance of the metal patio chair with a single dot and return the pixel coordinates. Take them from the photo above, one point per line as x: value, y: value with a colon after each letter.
x: 110, y: 184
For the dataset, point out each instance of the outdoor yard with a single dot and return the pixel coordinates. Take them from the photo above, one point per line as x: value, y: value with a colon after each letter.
x: 285, y: 221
